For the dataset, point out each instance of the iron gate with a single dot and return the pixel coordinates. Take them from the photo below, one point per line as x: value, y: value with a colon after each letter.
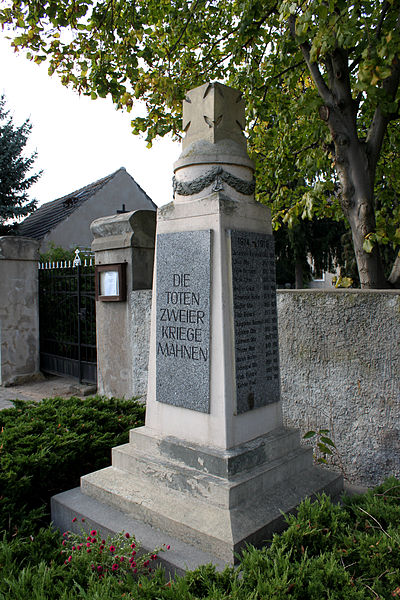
x: 67, y: 319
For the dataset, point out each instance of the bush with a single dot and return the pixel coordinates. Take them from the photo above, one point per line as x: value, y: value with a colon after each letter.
x: 346, y: 552
x: 47, y: 446
x: 327, y: 552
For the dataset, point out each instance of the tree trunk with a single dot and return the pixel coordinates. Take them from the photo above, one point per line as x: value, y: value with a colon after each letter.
x: 298, y: 270
x: 394, y: 278
x: 357, y: 200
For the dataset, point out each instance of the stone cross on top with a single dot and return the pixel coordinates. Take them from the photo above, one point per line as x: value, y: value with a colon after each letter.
x: 213, y: 112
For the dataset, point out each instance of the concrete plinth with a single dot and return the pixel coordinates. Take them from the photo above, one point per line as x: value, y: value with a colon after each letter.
x: 213, y: 500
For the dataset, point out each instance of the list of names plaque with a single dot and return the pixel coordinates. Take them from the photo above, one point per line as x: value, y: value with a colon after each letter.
x: 183, y: 319
x: 255, y: 320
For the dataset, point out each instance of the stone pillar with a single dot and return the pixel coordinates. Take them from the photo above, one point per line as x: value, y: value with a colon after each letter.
x: 212, y: 224
x: 121, y: 326
x: 19, y: 309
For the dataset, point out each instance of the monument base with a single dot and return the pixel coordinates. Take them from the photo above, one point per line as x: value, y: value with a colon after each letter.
x: 212, y: 499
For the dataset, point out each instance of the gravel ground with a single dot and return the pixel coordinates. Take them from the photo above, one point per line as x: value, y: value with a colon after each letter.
x: 48, y: 387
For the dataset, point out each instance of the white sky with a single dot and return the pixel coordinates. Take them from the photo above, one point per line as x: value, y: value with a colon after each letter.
x: 79, y: 140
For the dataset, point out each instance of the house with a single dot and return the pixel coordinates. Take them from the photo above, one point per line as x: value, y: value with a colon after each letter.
x: 65, y: 222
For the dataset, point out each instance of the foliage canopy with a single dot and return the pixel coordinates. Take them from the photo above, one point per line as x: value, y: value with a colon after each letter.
x: 320, y: 78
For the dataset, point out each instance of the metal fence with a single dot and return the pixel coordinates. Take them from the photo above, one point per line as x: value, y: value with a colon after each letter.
x: 67, y: 318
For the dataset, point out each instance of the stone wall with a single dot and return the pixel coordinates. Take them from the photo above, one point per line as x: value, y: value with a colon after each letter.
x: 340, y: 370
x: 19, y: 309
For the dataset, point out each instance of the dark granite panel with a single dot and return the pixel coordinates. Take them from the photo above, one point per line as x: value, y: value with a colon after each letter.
x: 255, y: 320
x: 183, y: 319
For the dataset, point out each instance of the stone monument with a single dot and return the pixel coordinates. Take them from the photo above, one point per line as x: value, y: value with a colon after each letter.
x: 213, y: 466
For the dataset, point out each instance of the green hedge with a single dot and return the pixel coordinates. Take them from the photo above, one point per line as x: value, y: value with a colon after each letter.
x: 45, y: 447
x: 346, y: 552
x: 349, y: 552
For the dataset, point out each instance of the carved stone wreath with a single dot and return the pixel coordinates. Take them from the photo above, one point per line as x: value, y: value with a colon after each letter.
x: 218, y: 176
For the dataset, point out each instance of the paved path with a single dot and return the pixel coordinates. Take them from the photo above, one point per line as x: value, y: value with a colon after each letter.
x: 49, y: 387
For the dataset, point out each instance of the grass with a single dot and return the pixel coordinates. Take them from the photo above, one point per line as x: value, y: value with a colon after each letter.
x: 346, y: 552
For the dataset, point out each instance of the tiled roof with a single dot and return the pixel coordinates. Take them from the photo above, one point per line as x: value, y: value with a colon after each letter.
x: 50, y: 214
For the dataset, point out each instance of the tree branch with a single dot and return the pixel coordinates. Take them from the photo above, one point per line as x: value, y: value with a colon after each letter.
x: 380, y: 120
x: 281, y: 73
x: 382, y: 16
x: 192, y: 11
x: 316, y: 74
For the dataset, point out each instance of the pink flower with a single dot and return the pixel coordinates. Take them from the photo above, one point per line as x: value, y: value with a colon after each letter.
x: 69, y: 558
x: 168, y: 547
x: 153, y: 556
x: 93, y: 540
x: 88, y: 544
x: 74, y: 519
x: 133, y: 545
x: 133, y: 552
x: 93, y: 532
x: 115, y: 567
x: 127, y: 536
x: 121, y: 559
x: 100, y: 568
x: 64, y: 543
x: 83, y: 520
x: 103, y: 541
x: 101, y: 547
x: 112, y: 548
x: 73, y: 548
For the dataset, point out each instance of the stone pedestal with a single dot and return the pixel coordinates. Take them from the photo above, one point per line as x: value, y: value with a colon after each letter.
x: 213, y: 466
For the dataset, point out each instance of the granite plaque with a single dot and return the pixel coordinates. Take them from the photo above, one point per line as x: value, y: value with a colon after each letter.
x: 255, y: 320
x: 183, y: 319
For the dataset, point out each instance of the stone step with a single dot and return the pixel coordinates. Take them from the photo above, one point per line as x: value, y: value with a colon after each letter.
x: 223, y: 491
x: 208, y: 526
x: 213, y: 460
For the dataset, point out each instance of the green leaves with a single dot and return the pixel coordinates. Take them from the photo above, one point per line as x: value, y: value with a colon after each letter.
x: 288, y: 57
x: 324, y: 444
x: 36, y: 438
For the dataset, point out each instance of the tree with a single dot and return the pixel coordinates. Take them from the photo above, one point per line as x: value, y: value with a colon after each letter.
x: 14, y: 167
x: 321, y: 80
x: 322, y: 240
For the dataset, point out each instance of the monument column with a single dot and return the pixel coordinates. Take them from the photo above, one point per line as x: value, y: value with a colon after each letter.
x: 213, y: 466
x: 214, y: 346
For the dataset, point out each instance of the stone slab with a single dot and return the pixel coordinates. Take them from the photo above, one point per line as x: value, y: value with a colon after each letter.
x: 210, y: 527
x: 109, y: 520
x: 183, y: 319
x: 225, y: 492
x: 255, y: 320
x: 216, y: 461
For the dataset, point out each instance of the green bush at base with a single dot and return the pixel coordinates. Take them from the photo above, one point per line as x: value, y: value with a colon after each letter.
x: 47, y: 446
x: 347, y: 552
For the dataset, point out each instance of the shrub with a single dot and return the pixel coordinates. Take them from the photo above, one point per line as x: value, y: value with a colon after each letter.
x: 327, y: 552
x: 47, y: 446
